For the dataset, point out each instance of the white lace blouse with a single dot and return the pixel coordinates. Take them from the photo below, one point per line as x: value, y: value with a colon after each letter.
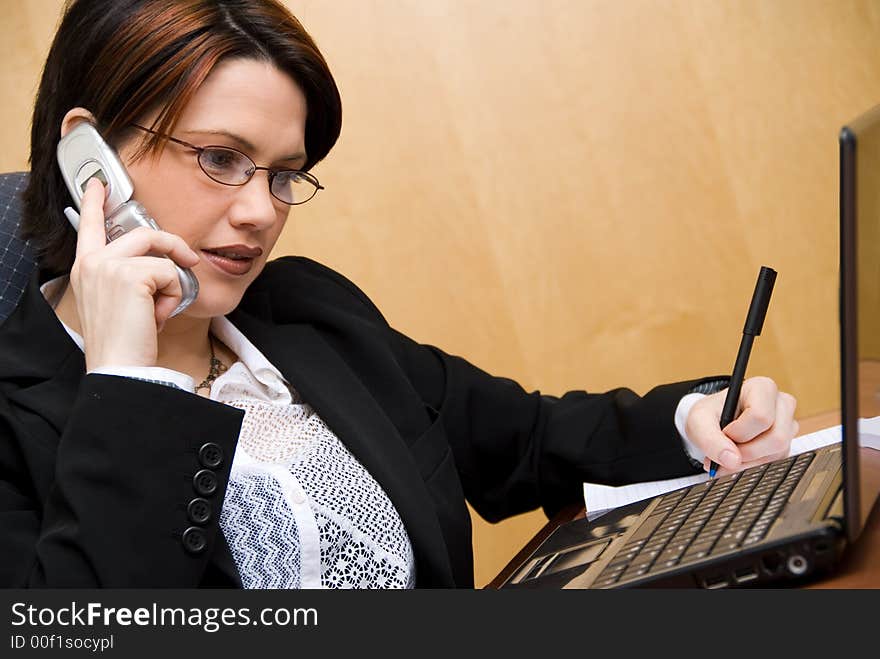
x: 300, y: 511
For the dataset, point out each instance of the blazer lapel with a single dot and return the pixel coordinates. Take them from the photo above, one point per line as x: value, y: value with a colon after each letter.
x: 327, y: 383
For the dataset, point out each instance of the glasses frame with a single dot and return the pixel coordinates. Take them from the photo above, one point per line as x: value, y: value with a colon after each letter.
x: 271, y: 172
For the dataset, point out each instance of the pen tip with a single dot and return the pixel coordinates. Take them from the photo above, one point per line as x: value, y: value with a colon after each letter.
x: 712, y: 472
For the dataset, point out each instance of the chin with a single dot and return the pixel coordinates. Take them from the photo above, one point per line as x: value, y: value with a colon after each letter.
x: 217, y: 298
x: 211, y: 303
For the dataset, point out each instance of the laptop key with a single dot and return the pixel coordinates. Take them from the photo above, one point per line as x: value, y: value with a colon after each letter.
x: 667, y: 556
x: 694, y: 555
x: 644, y: 561
x: 604, y: 582
x: 732, y: 536
x: 647, y: 555
x: 634, y: 572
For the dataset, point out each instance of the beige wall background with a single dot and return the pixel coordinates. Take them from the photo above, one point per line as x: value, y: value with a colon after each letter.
x: 577, y: 194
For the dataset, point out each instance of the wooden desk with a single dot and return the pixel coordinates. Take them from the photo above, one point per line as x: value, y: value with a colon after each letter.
x: 860, y: 567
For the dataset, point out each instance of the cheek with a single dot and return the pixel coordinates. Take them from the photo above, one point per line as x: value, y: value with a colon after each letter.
x: 276, y: 230
x: 185, y: 212
x: 167, y: 196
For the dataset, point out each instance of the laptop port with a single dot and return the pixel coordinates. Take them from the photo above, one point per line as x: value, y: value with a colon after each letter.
x: 718, y: 581
x: 771, y: 563
x: 822, y: 547
x: 797, y: 565
x: 745, y: 574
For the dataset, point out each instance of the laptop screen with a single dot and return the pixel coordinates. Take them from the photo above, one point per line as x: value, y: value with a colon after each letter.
x: 860, y: 313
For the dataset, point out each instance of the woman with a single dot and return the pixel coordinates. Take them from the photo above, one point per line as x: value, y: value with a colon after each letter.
x: 320, y: 447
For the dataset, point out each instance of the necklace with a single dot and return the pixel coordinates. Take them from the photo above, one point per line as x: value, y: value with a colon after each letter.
x: 217, y: 367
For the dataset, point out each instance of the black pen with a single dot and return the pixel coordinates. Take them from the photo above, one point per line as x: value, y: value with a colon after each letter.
x: 752, y: 328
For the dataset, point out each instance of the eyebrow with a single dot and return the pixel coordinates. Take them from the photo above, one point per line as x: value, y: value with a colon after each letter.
x: 244, y: 143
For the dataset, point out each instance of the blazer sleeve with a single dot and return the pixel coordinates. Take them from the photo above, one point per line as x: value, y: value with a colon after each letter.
x: 116, y: 513
x: 517, y: 450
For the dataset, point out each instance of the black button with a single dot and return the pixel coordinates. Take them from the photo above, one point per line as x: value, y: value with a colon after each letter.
x: 199, y: 511
x: 205, y: 482
x: 194, y: 540
x: 211, y: 455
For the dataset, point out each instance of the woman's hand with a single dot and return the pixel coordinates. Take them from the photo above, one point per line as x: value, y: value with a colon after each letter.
x: 124, y: 290
x: 761, y: 432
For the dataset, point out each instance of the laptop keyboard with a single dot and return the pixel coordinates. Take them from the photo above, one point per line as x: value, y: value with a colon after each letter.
x: 709, y: 518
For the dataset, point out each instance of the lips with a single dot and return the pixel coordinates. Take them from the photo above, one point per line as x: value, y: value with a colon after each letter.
x: 232, y: 259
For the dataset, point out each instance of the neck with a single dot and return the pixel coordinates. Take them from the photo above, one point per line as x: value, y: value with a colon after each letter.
x: 182, y: 345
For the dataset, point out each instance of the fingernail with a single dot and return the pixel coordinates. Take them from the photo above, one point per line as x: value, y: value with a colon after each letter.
x: 729, y: 459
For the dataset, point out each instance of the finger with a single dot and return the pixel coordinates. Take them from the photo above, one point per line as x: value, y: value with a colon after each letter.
x: 758, y: 401
x: 145, y: 241
x: 158, y: 273
x: 165, y: 284
x: 142, y: 275
x: 165, y: 306
x: 720, y: 470
x: 746, y: 465
x: 91, y: 232
x: 765, y: 459
x: 715, y: 444
x: 777, y: 440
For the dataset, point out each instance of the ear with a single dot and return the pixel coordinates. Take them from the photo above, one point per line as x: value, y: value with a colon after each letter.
x: 73, y: 117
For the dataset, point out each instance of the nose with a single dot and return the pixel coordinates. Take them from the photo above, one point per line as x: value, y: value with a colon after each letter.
x: 253, y: 206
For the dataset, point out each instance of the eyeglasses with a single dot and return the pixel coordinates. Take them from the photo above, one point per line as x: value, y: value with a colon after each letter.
x: 230, y: 166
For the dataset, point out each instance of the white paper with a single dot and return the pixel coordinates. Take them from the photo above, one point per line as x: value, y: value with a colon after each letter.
x: 869, y: 432
x: 599, y: 499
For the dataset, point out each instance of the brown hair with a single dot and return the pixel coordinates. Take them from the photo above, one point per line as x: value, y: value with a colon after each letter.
x: 122, y: 59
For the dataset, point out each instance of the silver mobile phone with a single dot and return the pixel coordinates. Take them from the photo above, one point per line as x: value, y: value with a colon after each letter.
x: 82, y: 155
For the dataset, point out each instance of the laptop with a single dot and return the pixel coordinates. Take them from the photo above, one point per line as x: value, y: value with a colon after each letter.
x: 780, y: 523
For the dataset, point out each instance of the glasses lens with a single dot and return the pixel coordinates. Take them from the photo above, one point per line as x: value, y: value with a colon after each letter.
x: 293, y: 187
x: 226, y: 165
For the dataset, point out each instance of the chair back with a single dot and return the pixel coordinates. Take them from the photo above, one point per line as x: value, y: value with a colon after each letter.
x: 17, y: 258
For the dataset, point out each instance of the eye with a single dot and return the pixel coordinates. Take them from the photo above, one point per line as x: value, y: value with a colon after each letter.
x: 220, y: 159
x: 288, y: 177
x: 292, y: 187
x: 226, y: 165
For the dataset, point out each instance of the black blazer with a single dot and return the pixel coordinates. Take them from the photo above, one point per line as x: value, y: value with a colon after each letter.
x: 97, y: 472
